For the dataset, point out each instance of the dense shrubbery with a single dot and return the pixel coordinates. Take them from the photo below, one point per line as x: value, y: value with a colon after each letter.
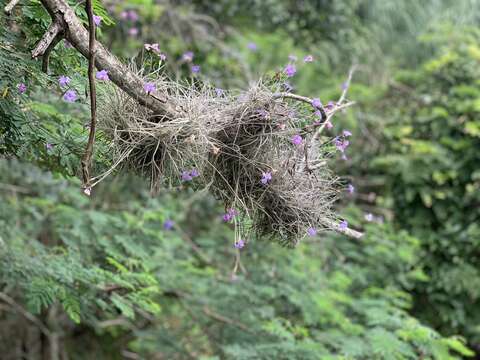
x: 430, y: 162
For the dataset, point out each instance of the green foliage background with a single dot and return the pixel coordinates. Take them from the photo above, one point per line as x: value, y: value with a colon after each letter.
x: 102, y: 278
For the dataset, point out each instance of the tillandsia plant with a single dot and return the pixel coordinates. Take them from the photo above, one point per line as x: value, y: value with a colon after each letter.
x: 262, y: 152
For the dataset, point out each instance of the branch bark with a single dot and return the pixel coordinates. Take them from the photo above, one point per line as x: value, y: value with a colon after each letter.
x: 45, y: 43
x: 119, y: 74
x: 9, y: 7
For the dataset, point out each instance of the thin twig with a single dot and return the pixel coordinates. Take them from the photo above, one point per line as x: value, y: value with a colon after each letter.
x: 304, y: 99
x: 207, y: 311
x: 9, y: 7
x: 53, y: 31
x: 26, y: 314
x: 46, y: 55
x: 349, y: 232
x: 87, y: 157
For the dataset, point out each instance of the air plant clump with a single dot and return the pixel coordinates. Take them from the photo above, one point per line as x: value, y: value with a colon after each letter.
x: 259, y: 152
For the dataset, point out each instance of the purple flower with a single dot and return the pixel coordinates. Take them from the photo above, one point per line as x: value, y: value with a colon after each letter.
x: 292, y: 58
x: 350, y: 189
x: 311, y: 231
x: 168, y: 224
x: 102, y: 75
x: 149, y: 87
x: 290, y: 70
x: 229, y: 215
x: 70, y: 96
x: 49, y: 146
x: 162, y: 56
x: 263, y: 113
x: 344, y: 86
x: 87, y: 191
x: 63, y: 80
x: 340, y: 144
x: 187, y: 56
x: 153, y: 47
x: 132, y: 15
x: 343, y: 225
x: 266, y: 177
x: 195, y: 69
x: 368, y: 217
x: 346, y: 133
x: 316, y: 103
x: 219, y: 92
x: 308, y: 58
x: 194, y: 173
x: 330, y: 105
x: 186, y: 176
x: 22, y: 88
x: 124, y: 15
x: 239, y: 244
x: 252, y: 46
x: 344, y: 157
x: 296, y: 140
x: 97, y: 20
x: 133, y: 31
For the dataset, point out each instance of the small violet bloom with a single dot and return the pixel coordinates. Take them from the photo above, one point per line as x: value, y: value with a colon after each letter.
x: 290, y: 70
x: 132, y: 15
x: 330, y: 105
x: 346, y: 133
x: 195, y: 69
x: 308, y: 58
x: 162, y: 56
x: 239, y: 244
x: 344, y: 86
x: 97, y: 20
x: 149, y: 87
x: 368, y: 217
x: 328, y: 125
x: 188, y: 56
x: 266, y: 178
x: 186, y: 176
x: 168, y: 224
x: 350, y: 189
x: 229, y: 215
x: 311, y: 231
x: 343, y: 225
x: 292, y: 58
x: 344, y: 157
x: 102, y: 75
x: 316, y: 103
x: 63, y: 80
x: 194, y: 173
x: 87, y: 191
x: 49, y: 146
x: 252, y: 46
x: 22, y: 88
x: 152, y: 47
x: 70, y: 96
x: 219, y: 92
x: 133, y: 31
x: 297, y: 140
x: 341, y: 145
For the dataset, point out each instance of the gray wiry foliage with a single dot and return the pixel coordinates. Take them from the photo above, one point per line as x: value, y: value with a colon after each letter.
x: 231, y: 141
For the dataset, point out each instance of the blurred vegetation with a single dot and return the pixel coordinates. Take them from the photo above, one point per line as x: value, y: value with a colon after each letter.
x: 103, y: 278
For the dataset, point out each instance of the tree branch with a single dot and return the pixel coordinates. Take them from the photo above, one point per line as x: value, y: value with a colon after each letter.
x: 48, y: 38
x: 303, y: 99
x: 87, y: 157
x: 120, y: 75
x: 46, y: 55
x: 9, y: 7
